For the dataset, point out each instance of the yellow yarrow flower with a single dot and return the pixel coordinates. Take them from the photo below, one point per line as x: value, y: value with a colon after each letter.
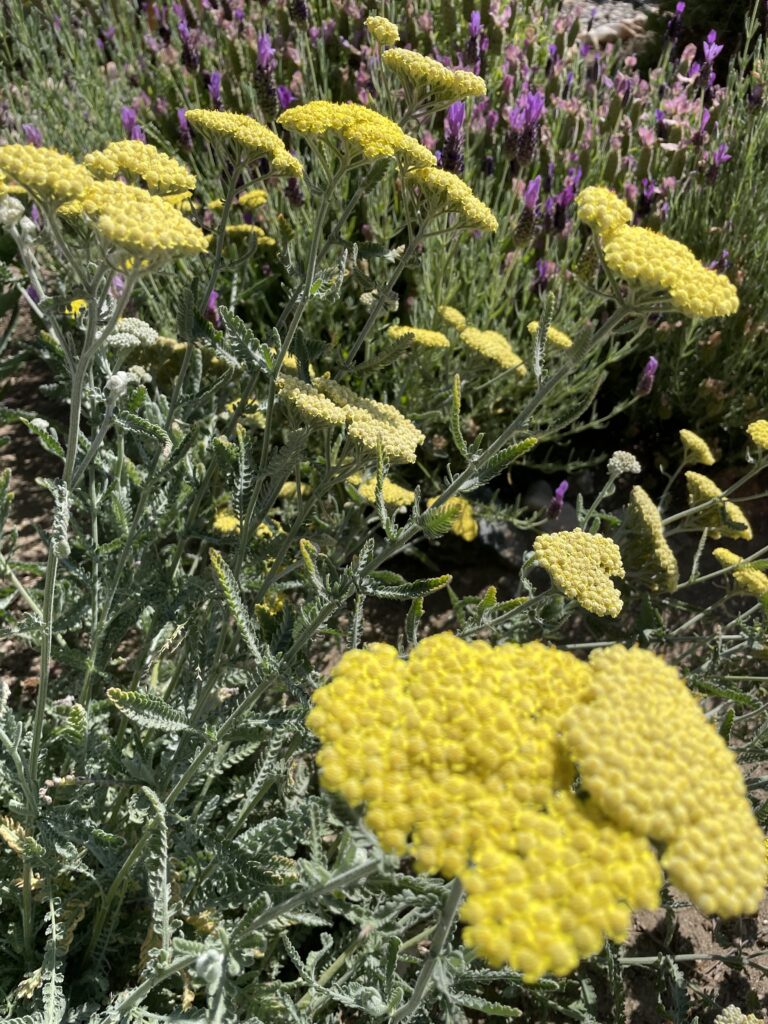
x: 252, y: 198
x: 75, y: 307
x: 748, y: 579
x: 393, y: 494
x: 364, y: 130
x: 581, y: 565
x: 696, y: 449
x: 452, y: 317
x: 48, y: 176
x: 646, y: 552
x: 654, y: 765
x: 555, y: 336
x: 429, y: 76
x: 602, y: 210
x: 418, y: 335
x: 225, y: 521
x: 248, y: 135
x: 162, y: 174
x: 383, y: 30
x: 724, y: 518
x: 447, y: 193
x: 758, y: 433
x: 464, y: 524
x: 7, y: 188
x: 493, y: 346
x: 252, y: 231
x: 368, y: 422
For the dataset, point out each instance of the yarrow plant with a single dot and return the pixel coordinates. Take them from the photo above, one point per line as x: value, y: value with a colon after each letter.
x: 291, y: 741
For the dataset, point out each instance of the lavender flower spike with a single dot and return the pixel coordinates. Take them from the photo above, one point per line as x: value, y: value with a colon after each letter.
x: 453, y: 151
x: 555, y: 506
x: 647, y: 377
x: 712, y: 49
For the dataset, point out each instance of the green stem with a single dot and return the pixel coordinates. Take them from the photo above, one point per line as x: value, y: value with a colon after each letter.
x: 439, y: 938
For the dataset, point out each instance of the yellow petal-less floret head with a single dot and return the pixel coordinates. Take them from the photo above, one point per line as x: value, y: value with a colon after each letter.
x: 464, y: 524
x: 724, y: 518
x: 418, y: 335
x: 252, y: 198
x: 431, y: 78
x: 581, y: 565
x: 225, y: 521
x: 140, y: 224
x: 750, y: 580
x: 48, y: 176
x: 447, y: 193
x: 365, y: 131
x: 383, y: 30
x: 494, y: 346
x: 162, y: 174
x: 452, y: 317
x: 758, y: 433
x: 602, y: 210
x: 697, y: 451
x: 393, y: 494
x: 368, y: 422
x: 248, y: 135
x: 554, y: 336
x: 654, y: 765
x: 645, y: 551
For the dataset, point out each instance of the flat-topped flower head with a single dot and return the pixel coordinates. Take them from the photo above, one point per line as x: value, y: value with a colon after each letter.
x: 554, y: 336
x: 248, y: 136
x: 48, y: 176
x: 696, y: 450
x: 464, y: 524
x: 724, y: 518
x: 363, y: 130
x: 758, y: 433
x: 392, y: 494
x: 385, y: 32
x: 368, y: 422
x: 252, y: 232
x: 252, y: 198
x: 447, y: 193
x: 226, y: 522
x: 493, y: 346
x: 659, y: 263
x: 646, y: 552
x: 733, y: 1015
x: 623, y: 462
x: 418, y: 336
x: 162, y: 174
x: 750, y: 580
x: 656, y: 766
x: 602, y: 210
x: 430, y: 79
x: 581, y: 565
x: 452, y: 317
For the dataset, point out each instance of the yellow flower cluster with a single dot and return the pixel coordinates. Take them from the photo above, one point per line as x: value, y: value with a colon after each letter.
x: 383, y: 30
x: 724, y: 518
x: 656, y: 262
x: 493, y: 346
x: 252, y: 198
x: 450, y: 194
x: 252, y: 231
x: 555, y: 336
x: 162, y: 174
x: 225, y: 521
x: 758, y: 433
x: 748, y: 579
x: 9, y: 189
x: 141, y: 224
x: 48, y: 176
x: 653, y: 764
x: 393, y: 494
x: 696, y: 449
x: 646, y: 550
x: 464, y: 524
x: 581, y: 565
x: 430, y: 76
x: 368, y: 422
x: 464, y: 757
x: 248, y: 135
x: 418, y: 335
x: 365, y: 130
x: 452, y: 317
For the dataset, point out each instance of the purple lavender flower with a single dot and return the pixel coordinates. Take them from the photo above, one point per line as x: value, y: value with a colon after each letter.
x: 524, y: 126
x: 721, y: 155
x: 647, y: 377
x: 32, y: 134
x: 299, y: 11
x: 211, y: 312
x: 293, y: 192
x: 712, y: 49
x: 722, y: 263
x: 264, y: 78
x: 33, y: 294
x: 190, y: 56
x: 185, y: 134
x: 555, y: 506
x: 675, y: 23
x: 532, y: 192
x: 472, y: 47
x: 213, y: 83
x: 129, y: 118
x: 285, y: 97
x: 453, y: 151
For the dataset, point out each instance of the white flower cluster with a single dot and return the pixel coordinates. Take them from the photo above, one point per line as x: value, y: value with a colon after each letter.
x: 132, y: 332
x: 623, y: 462
x: 11, y: 211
